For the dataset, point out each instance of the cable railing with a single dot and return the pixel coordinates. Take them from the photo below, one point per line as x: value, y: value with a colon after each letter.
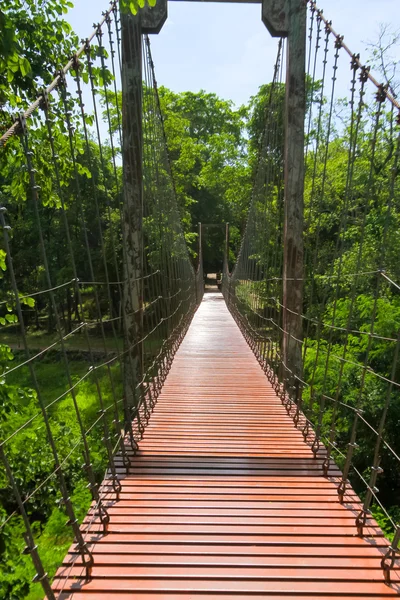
x: 344, y: 396
x: 88, y: 341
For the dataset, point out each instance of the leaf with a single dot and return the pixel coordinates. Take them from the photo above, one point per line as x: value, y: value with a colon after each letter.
x: 28, y: 302
x: 3, y: 264
x: 84, y: 171
x: 11, y: 318
x: 66, y: 27
x: 24, y: 66
x: 133, y: 8
x: 89, y: 119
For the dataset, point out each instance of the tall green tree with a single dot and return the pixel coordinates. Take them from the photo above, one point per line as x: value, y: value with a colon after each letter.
x: 35, y: 41
x: 208, y: 151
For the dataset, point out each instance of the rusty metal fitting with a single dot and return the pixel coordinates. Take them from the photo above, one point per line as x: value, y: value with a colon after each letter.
x: 342, y: 490
x: 29, y: 549
x: 99, y: 31
x: 339, y: 41
x: 44, y: 99
x: 39, y: 578
x: 364, y: 74
x: 315, y: 446
x: 86, y: 562
x: 75, y: 63
x: 87, y: 47
x: 354, y: 63
x: 361, y: 520
x: 104, y: 517
x: 62, y: 80
x: 388, y: 562
x: 381, y: 94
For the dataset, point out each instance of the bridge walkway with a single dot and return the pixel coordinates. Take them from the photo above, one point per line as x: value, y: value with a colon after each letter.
x: 224, y: 498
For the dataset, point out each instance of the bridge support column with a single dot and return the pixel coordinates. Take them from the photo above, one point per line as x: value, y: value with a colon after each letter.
x: 288, y: 18
x: 132, y: 231
x: 226, y: 281
x: 226, y: 253
x: 148, y: 20
x: 199, y: 271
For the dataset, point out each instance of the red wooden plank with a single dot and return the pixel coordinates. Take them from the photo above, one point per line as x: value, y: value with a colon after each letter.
x: 366, y: 588
x: 225, y: 500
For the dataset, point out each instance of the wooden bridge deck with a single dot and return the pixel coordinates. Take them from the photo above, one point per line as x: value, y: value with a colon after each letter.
x: 224, y: 499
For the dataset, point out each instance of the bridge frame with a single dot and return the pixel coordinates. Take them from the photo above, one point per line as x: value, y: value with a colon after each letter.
x: 283, y: 18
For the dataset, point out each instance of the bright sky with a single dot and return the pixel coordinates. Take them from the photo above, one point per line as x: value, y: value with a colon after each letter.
x: 226, y: 49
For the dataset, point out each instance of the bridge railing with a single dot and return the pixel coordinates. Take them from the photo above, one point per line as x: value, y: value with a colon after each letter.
x: 86, y: 343
x: 345, y: 396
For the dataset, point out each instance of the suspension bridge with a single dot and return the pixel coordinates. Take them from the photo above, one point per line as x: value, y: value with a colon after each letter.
x: 222, y: 455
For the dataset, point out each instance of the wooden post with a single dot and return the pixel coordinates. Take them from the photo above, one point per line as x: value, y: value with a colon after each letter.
x: 200, y: 241
x: 226, y: 257
x: 132, y: 158
x: 199, y: 269
x: 225, y: 276
x: 288, y: 18
x: 295, y: 109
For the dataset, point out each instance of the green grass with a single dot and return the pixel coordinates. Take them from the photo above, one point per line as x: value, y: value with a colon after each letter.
x: 39, y: 340
x: 50, y: 366
x: 52, y: 535
x: 51, y: 377
x: 53, y: 543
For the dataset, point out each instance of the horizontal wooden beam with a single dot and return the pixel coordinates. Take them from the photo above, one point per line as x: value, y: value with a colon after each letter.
x: 225, y: 1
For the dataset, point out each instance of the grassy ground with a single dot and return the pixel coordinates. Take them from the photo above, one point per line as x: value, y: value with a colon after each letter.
x: 52, y: 377
x: 50, y: 366
x: 39, y: 340
x: 51, y: 534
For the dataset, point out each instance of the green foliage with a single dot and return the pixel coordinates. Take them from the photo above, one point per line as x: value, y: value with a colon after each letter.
x: 14, y: 582
x: 384, y: 521
x: 35, y: 40
x: 32, y: 464
x: 54, y: 539
x: 134, y: 6
x: 208, y: 152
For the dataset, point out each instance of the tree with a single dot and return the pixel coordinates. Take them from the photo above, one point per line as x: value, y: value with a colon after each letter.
x: 208, y: 152
x: 35, y: 41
